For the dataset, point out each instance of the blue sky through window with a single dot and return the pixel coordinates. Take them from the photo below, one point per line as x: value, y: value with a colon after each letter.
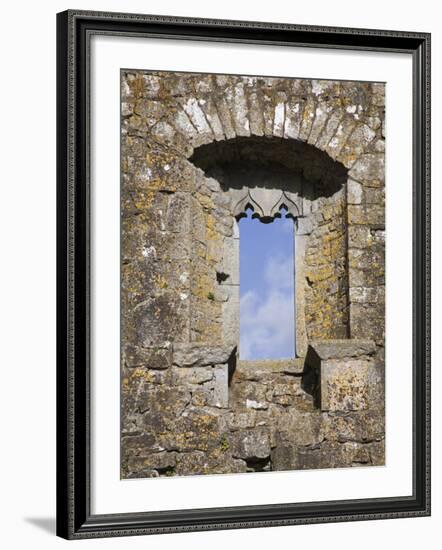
x: 267, y: 317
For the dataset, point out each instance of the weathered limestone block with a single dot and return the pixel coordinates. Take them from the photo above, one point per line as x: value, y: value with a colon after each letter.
x: 329, y: 129
x: 338, y: 349
x: 197, y: 462
x: 356, y: 144
x: 161, y: 462
x: 325, y: 88
x: 182, y: 123
x: 369, y: 169
x: 165, y: 400
x: 150, y: 358
x: 360, y: 236
x: 237, y: 102
x: 255, y: 115
x: 354, y: 192
x: 308, y: 116
x: 265, y: 369
x: 334, y: 455
x: 368, y: 295
x: 299, y: 428
x: 261, y: 405
x: 191, y: 376
x: 368, y: 319
x: 195, y: 429
x: 293, y: 117
x: 241, y: 420
x: 363, y: 426
x: 149, y: 111
x: 285, y: 457
x: 378, y: 93
x: 371, y: 262
x: 377, y: 453
x: 208, y: 105
x: 196, y: 115
x: 225, y: 118
x: 178, y: 213
x: 249, y: 395
x: 374, y: 196
x: 348, y: 378
x: 198, y: 355
x: 250, y: 445
x: 160, y: 319
x: 279, y: 114
x: 142, y: 445
x: 230, y: 313
x: 322, y: 113
x: 268, y: 111
x: 337, y: 142
x: 373, y: 215
x: 220, y: 386
x: 230, y: 261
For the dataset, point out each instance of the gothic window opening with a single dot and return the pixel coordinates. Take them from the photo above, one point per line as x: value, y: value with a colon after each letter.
x: 267, y: 280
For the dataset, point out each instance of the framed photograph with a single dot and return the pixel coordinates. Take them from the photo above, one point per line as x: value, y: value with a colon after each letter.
x: 243, y: 274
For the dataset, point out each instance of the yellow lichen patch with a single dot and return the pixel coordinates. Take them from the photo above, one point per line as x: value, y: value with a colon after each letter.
x: 146, y: 375
x: 160, y: 281
x: 347, y: 158
x: 205, y: 201
x: 137, y: 86
x: 203, y: 287
x: 211, y: 233
x: 319, y: 274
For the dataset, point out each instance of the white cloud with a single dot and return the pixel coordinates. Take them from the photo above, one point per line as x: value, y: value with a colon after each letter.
x: 267, y: 325
x: 279, y: 273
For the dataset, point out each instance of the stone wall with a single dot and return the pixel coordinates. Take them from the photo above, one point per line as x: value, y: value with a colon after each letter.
x: 275, y: 415
x: 196, y: 151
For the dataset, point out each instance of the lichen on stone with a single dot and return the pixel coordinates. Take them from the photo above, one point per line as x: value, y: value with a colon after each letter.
x: 196, y: 150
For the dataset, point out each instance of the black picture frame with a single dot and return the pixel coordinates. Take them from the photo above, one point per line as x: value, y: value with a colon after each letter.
x: 74, y: 518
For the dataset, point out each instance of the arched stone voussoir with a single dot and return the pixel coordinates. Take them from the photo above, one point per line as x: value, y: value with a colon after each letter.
x: 279, y: 114
x: 340, y: 136
x: 293, y: 117
x: 236, y: 99
x: 200, y: 130
x: 322, y: 113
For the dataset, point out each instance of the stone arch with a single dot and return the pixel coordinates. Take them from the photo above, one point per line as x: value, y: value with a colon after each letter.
x: 179, y: 113
x: 267, y: 174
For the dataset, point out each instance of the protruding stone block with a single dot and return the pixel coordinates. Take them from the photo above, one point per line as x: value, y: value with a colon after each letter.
x: 343, y: 374
x: 193, y: 355
x: 251, y: 444
x: 347, y: 385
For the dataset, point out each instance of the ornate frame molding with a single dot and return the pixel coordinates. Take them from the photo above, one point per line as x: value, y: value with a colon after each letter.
x: 74, y: 518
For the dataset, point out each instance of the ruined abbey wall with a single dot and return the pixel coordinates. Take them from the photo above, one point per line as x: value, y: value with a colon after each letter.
x: 196, y: 151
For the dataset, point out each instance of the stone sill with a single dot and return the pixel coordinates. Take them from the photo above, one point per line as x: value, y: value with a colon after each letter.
x: 340, y: 349
x: 287, y: 366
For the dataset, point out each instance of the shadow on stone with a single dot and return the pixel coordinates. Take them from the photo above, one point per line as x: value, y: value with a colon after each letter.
x: 271, y: 163
x: 231, y: 364
x: 311, y: 379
